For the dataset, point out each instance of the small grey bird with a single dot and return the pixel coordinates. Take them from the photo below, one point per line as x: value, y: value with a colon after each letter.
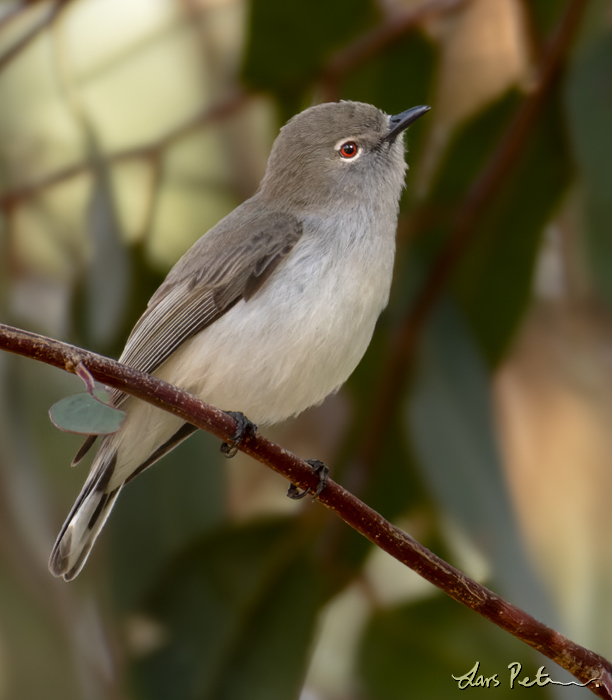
x: 272, y: 309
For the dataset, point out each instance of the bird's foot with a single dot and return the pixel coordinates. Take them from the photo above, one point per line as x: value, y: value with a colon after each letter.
x: 243, y: 426
x: 322, y: 471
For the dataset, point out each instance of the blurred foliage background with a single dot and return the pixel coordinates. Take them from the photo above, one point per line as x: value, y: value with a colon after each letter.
x: 479, y: 419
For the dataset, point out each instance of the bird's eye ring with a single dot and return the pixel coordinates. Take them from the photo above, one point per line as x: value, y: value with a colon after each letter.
x: 349, y: 149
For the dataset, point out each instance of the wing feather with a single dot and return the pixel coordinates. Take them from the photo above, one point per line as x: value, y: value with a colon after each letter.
x: 229, y: 263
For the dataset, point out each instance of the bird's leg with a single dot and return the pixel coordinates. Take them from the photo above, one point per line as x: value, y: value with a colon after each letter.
x: 321, y: 470
x: 243, y: 426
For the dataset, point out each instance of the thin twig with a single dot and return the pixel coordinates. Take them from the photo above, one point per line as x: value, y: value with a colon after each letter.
x: 389, y: 31
x: 151, y: 150
x: 585, y: 665
x: 58, y: 7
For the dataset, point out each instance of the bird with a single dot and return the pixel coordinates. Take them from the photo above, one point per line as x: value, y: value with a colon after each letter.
x: 271, y: 310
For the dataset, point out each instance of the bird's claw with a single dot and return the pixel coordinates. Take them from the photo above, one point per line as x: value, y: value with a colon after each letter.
x: 322, y: 471
x: 243, y: 426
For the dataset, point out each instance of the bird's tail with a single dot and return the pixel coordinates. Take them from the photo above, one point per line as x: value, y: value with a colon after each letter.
x: 85, y: 520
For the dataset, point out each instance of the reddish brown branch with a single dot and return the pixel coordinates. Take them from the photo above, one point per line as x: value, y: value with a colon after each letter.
x: 584, y: 664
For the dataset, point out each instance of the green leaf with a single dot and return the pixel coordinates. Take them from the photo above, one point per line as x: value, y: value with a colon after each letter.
x: 493, y: 280
x: 544, y: 16
x: 464, y: 158
x: 411, y: 62
x: 449, y: 418
x: 107, y: 281
x: 289, y: 41
x: 239, y: 609
x: 413, y: 651
x: 389, y: 481
x: 99, y: 297
x: 469, y: 151
x: 164, y: 511
x: 589, y: 101
x: 86, y: 415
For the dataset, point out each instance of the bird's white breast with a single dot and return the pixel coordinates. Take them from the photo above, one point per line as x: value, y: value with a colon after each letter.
x: 300, y: 337
x: 289, y: 346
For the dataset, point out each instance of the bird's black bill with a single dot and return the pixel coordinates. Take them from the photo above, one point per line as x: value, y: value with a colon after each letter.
x: 402, y: 121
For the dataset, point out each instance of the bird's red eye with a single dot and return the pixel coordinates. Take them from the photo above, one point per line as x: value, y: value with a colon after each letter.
x: 349, y: 149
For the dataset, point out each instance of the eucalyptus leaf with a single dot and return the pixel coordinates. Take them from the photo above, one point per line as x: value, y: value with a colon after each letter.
x: 107, y: 281
x: 494, y: 276
x: 494, y: 280
x: 165, y: 510
x: 449, y: 417
x: 413, y: 651
x: 589, y: 101
x: 86, y: 415
x: 239, y: 609
x: 288, y: 42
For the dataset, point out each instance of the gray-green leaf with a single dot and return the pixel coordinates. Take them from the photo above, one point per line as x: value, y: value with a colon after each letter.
x: 82, y: 413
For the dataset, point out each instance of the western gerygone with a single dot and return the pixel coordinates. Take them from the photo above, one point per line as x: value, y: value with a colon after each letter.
x: 273, y: 308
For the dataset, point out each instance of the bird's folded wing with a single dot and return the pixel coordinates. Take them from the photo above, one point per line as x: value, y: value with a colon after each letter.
x: 230, y: 263
x: 222, y: 268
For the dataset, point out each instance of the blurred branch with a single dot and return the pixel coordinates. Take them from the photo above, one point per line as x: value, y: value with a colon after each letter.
x: 392, y: 29
x: 152, y: 150
x: 46, y: 21
x: 462, y: 232
x: 584, y: 664
x: 152, y: 202
x: 12, y: 14
x: 397, y: 24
